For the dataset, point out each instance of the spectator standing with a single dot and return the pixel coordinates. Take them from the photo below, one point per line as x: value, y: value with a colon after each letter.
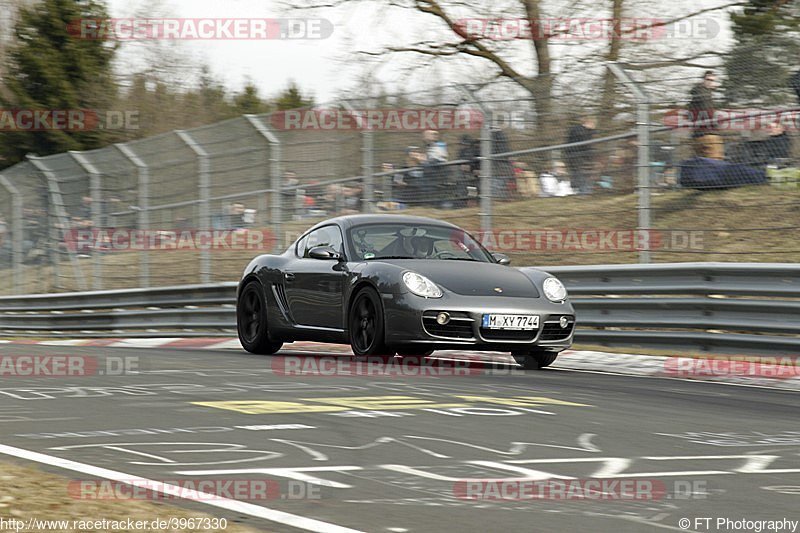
x: 708, y: 142
x: 580, y: 159
x: 434, y: 169
x: 435, y: 148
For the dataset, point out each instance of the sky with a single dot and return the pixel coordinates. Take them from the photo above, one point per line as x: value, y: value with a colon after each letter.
x: 325, y: 68
x: 318, y: 66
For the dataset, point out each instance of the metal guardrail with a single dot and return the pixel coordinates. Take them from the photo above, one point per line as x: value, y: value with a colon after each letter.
x: 732, y: 308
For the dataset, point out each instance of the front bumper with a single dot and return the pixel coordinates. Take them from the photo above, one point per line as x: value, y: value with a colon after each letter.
x: 411, y: 320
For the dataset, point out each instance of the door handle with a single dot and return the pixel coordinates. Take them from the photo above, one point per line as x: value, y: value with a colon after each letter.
x: 288, y: 276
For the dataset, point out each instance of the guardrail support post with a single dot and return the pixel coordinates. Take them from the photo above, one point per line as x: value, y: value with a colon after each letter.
x: 275, y: 177
x: 643, y: 163
x: 144, y: 207
x: 16, y: 232
x: 204, y: 185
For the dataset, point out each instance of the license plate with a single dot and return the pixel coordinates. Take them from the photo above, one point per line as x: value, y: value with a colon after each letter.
x: 514, y: 322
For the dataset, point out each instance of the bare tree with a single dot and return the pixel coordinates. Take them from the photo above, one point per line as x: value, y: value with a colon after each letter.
x: 532, y: 59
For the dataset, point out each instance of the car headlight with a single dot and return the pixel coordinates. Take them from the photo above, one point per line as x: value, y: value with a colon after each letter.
x: 554, y: 290
x: 421, y: 286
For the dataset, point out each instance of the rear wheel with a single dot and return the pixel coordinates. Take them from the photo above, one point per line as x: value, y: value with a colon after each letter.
x: 251, y: 321
x: 366, y: 324
x: 534, y: 360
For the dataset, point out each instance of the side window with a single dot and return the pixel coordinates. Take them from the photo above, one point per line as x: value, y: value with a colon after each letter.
x: 327, y: 236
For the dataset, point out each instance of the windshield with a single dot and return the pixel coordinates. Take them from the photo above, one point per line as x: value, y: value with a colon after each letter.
x: 415, y: 241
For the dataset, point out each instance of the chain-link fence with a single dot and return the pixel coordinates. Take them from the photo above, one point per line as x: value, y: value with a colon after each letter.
x: 583, y: 180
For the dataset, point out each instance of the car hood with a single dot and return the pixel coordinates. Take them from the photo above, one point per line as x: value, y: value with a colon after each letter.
x: 472, y: 278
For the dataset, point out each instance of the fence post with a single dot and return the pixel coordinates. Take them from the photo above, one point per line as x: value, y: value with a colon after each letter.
x: 94, y: 188
x: 486, y: 177
x: 57, y: 201
x: 275, y: 177
x: 486, y: 162
x: 367, y: 159
x: 16, y: 232
x: 204, y: 185
x: 368, y: 171
x: 144, y: 207
x: 643, y: 162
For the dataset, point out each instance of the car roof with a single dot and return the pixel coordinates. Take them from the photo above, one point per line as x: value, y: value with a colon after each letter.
x: 348, y: 221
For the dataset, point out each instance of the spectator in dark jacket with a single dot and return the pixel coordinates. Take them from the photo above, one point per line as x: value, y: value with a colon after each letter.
x: 778, y: 145
x: 701, y: 108
x: 503, y: 183
x: 701, y: 104
x: 580, y: 159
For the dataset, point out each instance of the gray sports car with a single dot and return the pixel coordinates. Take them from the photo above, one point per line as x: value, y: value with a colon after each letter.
x: 395, y: 284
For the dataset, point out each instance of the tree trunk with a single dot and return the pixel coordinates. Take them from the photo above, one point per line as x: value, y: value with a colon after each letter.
x: 608, y: 99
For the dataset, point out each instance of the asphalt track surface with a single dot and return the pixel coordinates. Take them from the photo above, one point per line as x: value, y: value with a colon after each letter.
x: 389, y: 453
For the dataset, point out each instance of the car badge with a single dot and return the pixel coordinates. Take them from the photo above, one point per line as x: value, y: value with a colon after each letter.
x: 498, y: 290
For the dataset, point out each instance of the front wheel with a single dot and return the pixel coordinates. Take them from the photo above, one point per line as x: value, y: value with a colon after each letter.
x: 251, y: 321
x: 534, y: 360
x: 366, y: 324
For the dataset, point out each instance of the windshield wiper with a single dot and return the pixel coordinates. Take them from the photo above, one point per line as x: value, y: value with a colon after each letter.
x: 391, y: 257
x: 460, y: 259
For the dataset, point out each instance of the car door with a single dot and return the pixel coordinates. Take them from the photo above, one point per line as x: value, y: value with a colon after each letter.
x: 314, y: 287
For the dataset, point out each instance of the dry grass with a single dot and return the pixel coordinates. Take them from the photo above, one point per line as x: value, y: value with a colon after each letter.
x: 31, y: 493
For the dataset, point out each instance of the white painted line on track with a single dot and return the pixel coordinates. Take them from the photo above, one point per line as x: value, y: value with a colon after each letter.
x: 257, y: 511
x: 143, y: 343
x: 68, y: 342
x: 233, y: 344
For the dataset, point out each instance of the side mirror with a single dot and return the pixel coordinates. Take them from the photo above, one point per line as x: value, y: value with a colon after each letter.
x: 324, y: 253
x: 502, y: 259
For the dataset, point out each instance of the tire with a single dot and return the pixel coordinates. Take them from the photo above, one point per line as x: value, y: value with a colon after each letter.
x: 366, y: 325
x: 414, y: 351
x: 251, y: 321
x: 535, y: 360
